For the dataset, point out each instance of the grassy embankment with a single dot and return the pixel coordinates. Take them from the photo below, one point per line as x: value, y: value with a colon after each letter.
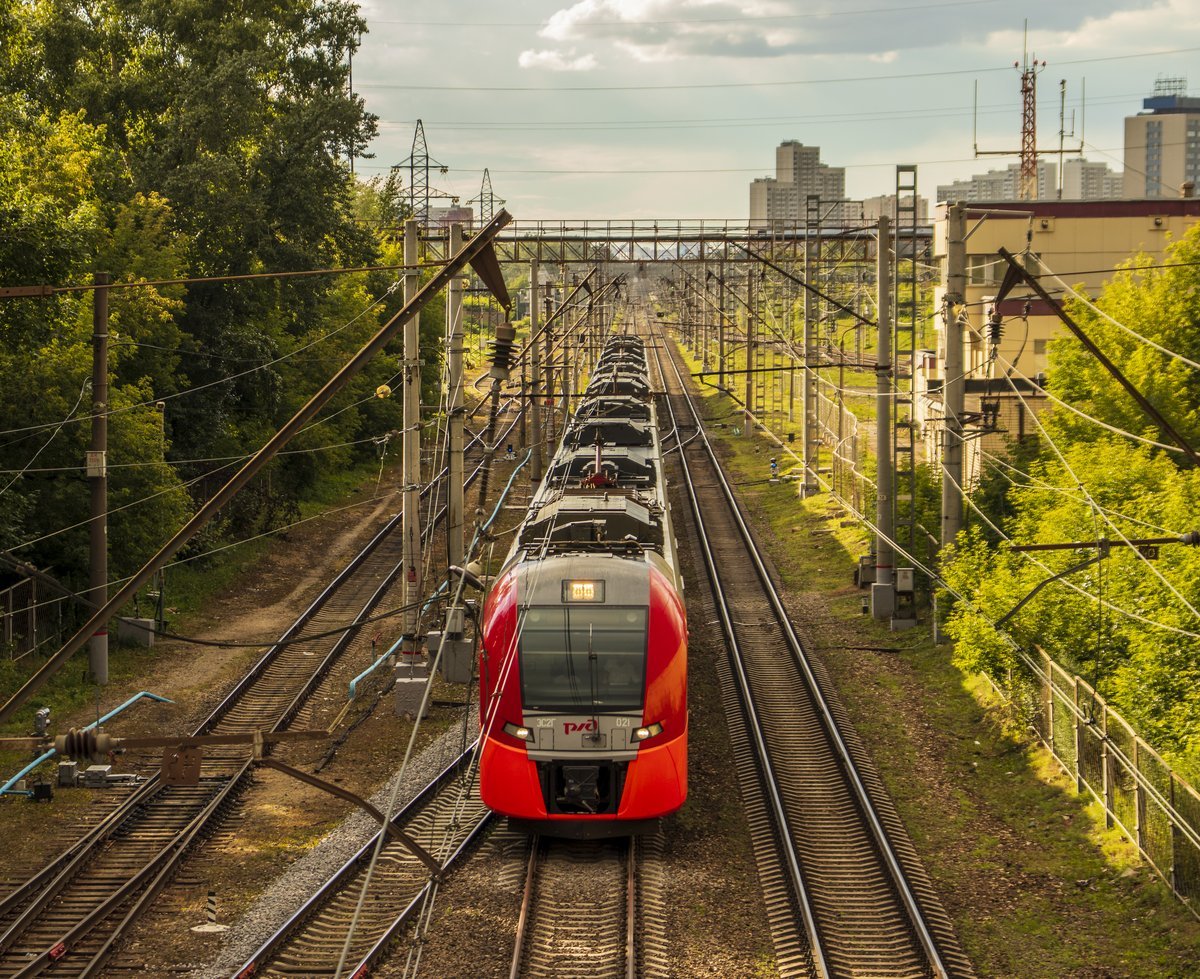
x: 191, y: 588
x: 1037, y: 885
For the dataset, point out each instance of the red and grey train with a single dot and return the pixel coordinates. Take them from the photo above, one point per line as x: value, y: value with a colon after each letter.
x: 583, y: 664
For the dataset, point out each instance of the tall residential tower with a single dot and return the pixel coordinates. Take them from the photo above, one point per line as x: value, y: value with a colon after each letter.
x: 1162, y: 144
x: 799, y: 173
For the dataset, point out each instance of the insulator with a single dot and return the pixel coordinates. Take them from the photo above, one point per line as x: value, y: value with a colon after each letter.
x: 995, y: 327
x: 502, y: 348
x: 83, y: 745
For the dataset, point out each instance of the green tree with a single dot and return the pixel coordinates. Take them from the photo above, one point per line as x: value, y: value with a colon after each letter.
x: 1158, y: 299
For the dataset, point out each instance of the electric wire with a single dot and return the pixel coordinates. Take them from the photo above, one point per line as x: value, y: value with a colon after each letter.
x: 230, y: 377
x: 935, y: 577
x: 791, y: 83
x: 45, y: 445
x: 1080, y: 297
x: 1091, y: 501
x: 745, y: 19
x: 1051, y: 396
x: 1074, y: 586
x: 1002, y: 467
x: 195, y: 462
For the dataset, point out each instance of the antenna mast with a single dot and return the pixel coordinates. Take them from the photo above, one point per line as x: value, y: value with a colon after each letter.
x: 1029, y: 153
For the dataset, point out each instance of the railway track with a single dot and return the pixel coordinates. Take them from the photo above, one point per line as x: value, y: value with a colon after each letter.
x: 446, y: 819
x: 865, y: 905
x: 579, y: 910
x: 70, y: 915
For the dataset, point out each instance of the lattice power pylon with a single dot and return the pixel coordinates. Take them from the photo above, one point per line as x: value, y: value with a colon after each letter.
x: 487, y: 200
x: 419, y: 164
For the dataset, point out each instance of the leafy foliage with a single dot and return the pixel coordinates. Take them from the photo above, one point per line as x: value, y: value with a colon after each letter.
x: 161, y: 141
x: 1125, y: 623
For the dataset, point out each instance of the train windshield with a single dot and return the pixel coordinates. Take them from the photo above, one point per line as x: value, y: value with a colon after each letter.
x: 583, y: 658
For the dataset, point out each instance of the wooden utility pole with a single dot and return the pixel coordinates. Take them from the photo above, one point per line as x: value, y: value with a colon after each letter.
x: 411, y: 448
x: 456, y: 522
x: 97, y: 475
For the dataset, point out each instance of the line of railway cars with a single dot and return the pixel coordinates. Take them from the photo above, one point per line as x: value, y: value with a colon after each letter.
x: 583, y: 663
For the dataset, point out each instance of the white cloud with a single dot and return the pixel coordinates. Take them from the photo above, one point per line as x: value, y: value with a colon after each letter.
x: 1163, y: 24
x: 670, y: 30
x: 557, y: 60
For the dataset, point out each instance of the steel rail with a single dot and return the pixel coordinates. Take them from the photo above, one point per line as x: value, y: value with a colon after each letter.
x: 163, y: 864
x: 52, y: 880
x: 376, y: 952
x: 631, y: 915
x: 778, y: 808
x: 345, y: 874
x: 882, y: 841
x: 538, y: 945
x: 535, y: 845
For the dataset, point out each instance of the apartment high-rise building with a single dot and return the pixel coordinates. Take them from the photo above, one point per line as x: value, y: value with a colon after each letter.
x: 874, y: 207
x: 1001, y: 185
x: 1089, y: 180
x: 1162, y: 143
x: 799, y: 174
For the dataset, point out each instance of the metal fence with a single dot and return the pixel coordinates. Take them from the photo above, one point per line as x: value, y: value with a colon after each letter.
x: 34, y: 613
x: 1154, y: 807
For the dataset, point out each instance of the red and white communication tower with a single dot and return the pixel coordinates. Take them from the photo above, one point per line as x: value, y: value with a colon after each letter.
x: 1029, y: 154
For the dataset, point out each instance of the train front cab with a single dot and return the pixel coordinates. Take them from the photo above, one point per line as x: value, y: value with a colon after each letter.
x: 550, y: 761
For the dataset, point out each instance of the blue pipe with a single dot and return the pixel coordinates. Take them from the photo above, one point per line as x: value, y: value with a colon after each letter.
x: 372, y: 668
x: 504, y: 495
x: 391, y: 649
x: 7, y: 787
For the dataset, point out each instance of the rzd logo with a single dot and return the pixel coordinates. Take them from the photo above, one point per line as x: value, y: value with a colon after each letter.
x: 573, y: 727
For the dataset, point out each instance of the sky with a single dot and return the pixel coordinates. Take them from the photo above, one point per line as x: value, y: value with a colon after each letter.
x: 618, y: 109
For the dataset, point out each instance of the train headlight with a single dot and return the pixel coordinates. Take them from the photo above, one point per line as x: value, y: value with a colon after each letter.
x: 521, y: 733
x: 649, y: 731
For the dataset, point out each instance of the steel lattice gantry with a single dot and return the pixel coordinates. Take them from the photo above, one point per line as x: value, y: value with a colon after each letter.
x: 564, y: 242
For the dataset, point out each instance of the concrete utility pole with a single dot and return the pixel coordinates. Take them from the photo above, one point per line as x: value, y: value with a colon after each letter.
x: 749, y: 350
x: 535, y: 387
x: 954, y: 382
x: 522, y: 438
x: 475, y: 251
x: 883, y: 593
x: 790, y: 316
x: 548, y: 365
x: 456, y: 521
x: 97, y: 474
x: 411, y: 450
x: 808, y: 384
x: 721, y: 327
